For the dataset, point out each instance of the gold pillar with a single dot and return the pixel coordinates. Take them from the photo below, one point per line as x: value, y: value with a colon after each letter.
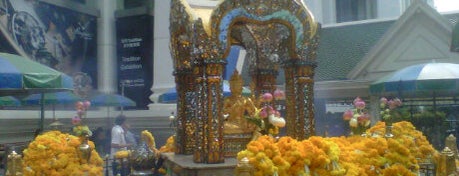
x: 290, y: 111
x: 184, y: 81
x: 300, y: 99
x: 210, y: 118
x: 304, y: 85
x: 214, y: 111
x: 199, y: 115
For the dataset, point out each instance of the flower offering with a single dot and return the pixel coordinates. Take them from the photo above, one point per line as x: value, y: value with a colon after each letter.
x: 359, y: 118
x: 80, y: 129
x: 350, y: 156
x: 56, y: 153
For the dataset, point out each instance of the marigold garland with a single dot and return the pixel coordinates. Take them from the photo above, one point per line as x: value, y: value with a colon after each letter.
x: 122, y: 154
x: 149, y: 139
x: 169, y: 146
x: 55, y: 153
x: 350, y: 156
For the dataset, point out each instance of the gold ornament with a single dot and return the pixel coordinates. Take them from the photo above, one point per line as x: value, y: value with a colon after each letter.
x: 14, y: 164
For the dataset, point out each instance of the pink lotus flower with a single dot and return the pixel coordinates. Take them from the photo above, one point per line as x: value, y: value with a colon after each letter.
x: 348, y: 114
x: 76, y: 120
x: 279, y: 94
x: 267, y: 97
x: 357, y: 100
x: 86, y: 104
x: 359, y: 104
x: 263, y: 113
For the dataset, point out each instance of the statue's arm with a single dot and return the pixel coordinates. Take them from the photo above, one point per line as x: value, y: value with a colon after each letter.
x: 226, y: 106
x: 250, y: 107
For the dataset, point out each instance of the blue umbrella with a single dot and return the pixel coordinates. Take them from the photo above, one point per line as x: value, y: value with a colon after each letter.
x: 112, y: 100
x: 52, y: 98
x: 421, y: 79
x: 20, y: 75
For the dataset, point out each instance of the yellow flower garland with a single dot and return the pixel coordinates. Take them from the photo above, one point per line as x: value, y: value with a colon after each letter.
x: 122, y: 154
x: 169, y: 146
x: 55, y: 153
x: 149, y: 139
x: 350, y: 156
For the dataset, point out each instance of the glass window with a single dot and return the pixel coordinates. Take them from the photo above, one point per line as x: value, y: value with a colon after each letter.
x: 79, y: 1
x: 134, y: 3
x: 354, y: 10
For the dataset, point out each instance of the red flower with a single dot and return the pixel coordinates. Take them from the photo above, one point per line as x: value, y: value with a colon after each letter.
x: 279, y: 94
x: 348, y: 114
x: 86, y: 104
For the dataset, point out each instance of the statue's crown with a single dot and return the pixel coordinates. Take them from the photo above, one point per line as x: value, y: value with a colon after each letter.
x: 236, y: 78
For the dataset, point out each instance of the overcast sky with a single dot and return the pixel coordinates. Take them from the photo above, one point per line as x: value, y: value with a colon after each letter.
x: 446, y: 5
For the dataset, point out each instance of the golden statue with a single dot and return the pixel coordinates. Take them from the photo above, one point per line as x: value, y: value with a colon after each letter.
x: 236, y: 107
x: 14, y: 164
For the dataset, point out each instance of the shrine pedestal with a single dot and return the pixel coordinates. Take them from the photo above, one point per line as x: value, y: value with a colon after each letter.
x: 183, y: 165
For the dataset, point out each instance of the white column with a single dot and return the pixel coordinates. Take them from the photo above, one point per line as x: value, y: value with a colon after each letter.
x: 328, y: 12
x: 389, y: 8
x: 315, y: 6
x: 162, y: 60
x: 106, y: 47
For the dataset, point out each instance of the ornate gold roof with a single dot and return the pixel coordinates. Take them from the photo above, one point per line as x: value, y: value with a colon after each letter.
x: 273, y: 29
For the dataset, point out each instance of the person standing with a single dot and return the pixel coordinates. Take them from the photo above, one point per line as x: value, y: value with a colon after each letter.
x: 130, y: 137
x: 118, y: 142
x: 99, y: 139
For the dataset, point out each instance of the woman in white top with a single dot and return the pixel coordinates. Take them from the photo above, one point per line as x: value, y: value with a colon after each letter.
x: 118, y: 142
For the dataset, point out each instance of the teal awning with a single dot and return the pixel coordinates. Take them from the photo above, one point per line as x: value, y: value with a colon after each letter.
x: 455, y: 39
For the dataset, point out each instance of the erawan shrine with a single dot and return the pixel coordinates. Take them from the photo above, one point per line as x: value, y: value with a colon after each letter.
x: 269, y: 131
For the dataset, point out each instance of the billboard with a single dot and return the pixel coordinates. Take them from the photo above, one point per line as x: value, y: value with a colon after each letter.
x: 58, y: 37
x: 135, y: 57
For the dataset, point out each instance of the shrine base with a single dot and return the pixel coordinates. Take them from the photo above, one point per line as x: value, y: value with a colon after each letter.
x: 183, y: 165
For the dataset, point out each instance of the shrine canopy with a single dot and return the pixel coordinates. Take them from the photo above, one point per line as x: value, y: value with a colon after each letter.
x: 422, y: 80
x: 20, y: 75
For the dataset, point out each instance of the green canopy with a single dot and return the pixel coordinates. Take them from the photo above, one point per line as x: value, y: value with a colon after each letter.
x: 9, y: 101
x: 20, y: 75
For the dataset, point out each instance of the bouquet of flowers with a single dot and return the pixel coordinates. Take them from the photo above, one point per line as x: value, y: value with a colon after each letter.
x: 80, y: 129
x: 386, y: 108
x: 267, y: 118
x: 359, y: 118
